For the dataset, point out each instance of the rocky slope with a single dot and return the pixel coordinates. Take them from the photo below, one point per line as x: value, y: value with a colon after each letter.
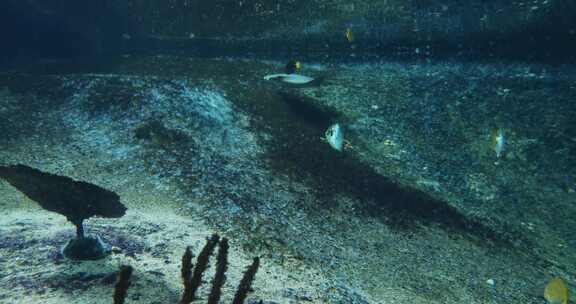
x: 416, y: 208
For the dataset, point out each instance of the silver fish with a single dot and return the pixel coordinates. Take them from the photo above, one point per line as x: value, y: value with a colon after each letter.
x: 499, y: 142
x: 335, y: 137
x: 295, y: 79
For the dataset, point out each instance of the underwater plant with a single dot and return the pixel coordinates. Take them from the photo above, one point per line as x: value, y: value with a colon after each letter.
x: 76, y: 200
x: 192, y: 280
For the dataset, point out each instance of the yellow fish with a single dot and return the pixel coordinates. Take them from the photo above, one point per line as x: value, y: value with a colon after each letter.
x: 556, y: 292
x: 349, y: 35
x: 298, y: 65
x: 293, y: 66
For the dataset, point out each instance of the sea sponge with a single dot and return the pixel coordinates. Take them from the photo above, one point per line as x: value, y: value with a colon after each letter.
x: 76, y: 200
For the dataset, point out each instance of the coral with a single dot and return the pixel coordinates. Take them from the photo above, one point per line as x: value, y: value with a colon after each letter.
x: 76, y: 200
x: 192, y: 285
x: 122, y: 284
x: 186, y: 265
x: 220, y: 276
x: 192, y: 281
x: 246, y: 282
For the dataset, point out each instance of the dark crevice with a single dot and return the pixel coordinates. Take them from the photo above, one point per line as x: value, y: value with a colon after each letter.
x: 304, y: 109
x: 299, y: 151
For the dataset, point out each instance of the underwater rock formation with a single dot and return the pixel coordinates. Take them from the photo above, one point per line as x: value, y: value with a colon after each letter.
x: 76, y: 200
x: 258, y: 160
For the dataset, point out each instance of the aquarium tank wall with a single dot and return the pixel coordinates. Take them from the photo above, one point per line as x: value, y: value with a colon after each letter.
x: 527, y: 30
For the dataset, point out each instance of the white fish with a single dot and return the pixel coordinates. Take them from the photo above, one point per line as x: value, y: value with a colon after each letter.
x: 290, y: 78
x: 498, y: 142
x: 335, y: 137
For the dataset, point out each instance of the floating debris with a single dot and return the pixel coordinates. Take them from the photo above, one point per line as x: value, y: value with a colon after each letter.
x: 335, y: 137
x: 556, y: 292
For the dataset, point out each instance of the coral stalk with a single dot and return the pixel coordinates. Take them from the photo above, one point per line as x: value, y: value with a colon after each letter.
x: 246, y: 282
x: 220, y: 276
x: 122, y: 284
x: 192, y: 285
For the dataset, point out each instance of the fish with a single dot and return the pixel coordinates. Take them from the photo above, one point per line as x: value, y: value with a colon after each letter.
x: 498, y: 141
x: 291, y: 79
x: 556, y: 292
x: 335, y: 137
x: 293, y: 66
x: 349, y: 35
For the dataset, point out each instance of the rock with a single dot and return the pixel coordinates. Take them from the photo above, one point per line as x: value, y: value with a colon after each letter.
x: 156, y: 273
x: 297, y: 294
x: 86, y: 248
x: 116, y: 250
x: 109, y: 278
x: 259, y: 301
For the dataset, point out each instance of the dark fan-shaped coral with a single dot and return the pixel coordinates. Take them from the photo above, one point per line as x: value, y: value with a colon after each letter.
x: 76, y: 200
